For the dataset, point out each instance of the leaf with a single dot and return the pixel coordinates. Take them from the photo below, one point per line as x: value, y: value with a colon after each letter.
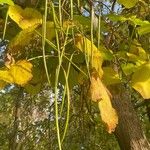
x: 108, y: 114
x: 82, y: 22
x: 141, y: 80
x: 2, y: 84
x: 137, y: 54
x: 144, y: 29
x: 110, y: 76
x: 138, y: 21
x: 91, y: 51
x: 26, y: 18
x: 50, y: 30
x: 100, y: 94
x: 114, y: 17
x: 128, y: 3
x: 9, y: 2
x: 106, y: 53
x: 21, y: 40
x: 129, y: 68
x: 6, y: 76
x: 72, y: 78
x: 86, y: 46
x: 33, y: 89
x: 19, y: 73
x: 35, y: 84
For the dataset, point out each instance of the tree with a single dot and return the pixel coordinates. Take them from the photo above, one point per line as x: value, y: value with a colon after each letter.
x: 62, y: 59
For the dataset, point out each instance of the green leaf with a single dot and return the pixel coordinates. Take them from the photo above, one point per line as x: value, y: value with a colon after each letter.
x: 129, y: 68
x: 144, y: 29
x: 33, y: 89
x: 35, y: 84
x: 138, y: 21
x: 21, y: 40
x: 50, y: 30
x: 25, y: 18
x: 114, y: 17
x: 110, y: 76
x: 141, y: 80
x: 9, y: 2
x: 72, y: 79
x: 128, y: 3
x: 81, y: 21
x: 106, y: 53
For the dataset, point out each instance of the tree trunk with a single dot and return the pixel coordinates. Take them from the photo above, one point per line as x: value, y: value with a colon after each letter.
x: 128, y: 132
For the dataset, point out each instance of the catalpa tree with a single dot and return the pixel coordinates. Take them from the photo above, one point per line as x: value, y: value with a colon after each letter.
x: 100, y: 49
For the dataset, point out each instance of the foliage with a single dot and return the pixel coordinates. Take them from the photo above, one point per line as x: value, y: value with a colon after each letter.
x: 59, y: 59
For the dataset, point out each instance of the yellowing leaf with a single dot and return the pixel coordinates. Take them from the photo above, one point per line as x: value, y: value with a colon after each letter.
x: 86, y: 46
x: 100, y: 94
x: 108, y: 114
x: 26, y: 18
x: 9, y: 2
x: 6, y: 76
x: 2, y: 84
x: 128, y: 3
x: 141, y: 80
x: 137, y: 50
x: 97, y: 64
x: 95, y: 56
x: 21, y: 72
x: 95, y: 87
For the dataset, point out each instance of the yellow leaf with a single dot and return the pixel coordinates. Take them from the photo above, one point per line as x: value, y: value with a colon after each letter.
x: 137, y: 53
x: 100, y: 94
x: 86, y: 46
x: 97, y: 64
x: 50, y: 28
x: 26, y: 18
x: 141, y: 80
x: 6, y: 76
x: 95, y: 56
x: 21, y: 72
x: 2, y: 84
x: 108, y: 114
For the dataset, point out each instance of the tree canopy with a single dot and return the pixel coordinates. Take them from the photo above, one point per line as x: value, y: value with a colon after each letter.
x: 63, y: 65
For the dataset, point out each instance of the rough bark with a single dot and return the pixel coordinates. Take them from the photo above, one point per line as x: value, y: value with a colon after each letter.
x: 129, y: 132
